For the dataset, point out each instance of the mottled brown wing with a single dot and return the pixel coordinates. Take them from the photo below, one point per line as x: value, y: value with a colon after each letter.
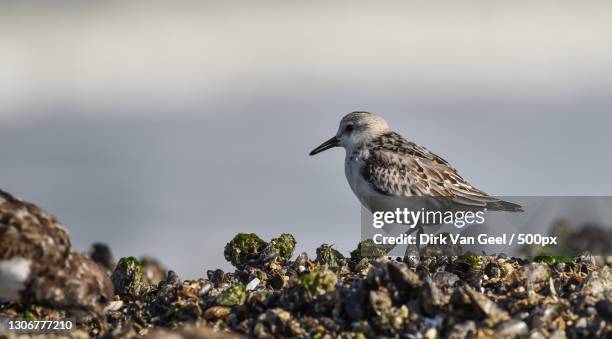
x: 59, y: 278
x: 28, y: 231
x: 397, y: 167
x: 80, y: 284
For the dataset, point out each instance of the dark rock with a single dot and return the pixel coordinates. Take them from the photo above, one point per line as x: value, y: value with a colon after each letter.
x: 318, y: 283
x: 276, y: 323
x: 353, y: 300
x: 276, y: 280
x: 431, y: 298
x: 543, y: 317
x: 377, y: 275
x: 402, y: 276
x: 216, y: 277
x: 446, y: 280
x: 492, y: 270
x: 101, y: 254
x: 380, y: 301
x: 485, y: 306
x: 604, y: 309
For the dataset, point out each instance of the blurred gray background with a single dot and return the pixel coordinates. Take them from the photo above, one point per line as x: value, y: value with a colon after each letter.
x: 166, y: 128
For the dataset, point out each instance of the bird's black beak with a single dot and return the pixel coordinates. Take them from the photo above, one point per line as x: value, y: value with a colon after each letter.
x: 333, y: 142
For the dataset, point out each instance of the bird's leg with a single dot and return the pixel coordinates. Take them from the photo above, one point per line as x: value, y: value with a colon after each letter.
x: 412, y: 256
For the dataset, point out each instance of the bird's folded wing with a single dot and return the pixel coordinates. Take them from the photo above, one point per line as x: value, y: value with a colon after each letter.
x: 406, y: 169
x: 28, y: 231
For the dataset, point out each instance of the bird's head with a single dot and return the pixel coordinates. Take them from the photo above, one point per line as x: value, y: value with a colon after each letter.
x: 356, y: 128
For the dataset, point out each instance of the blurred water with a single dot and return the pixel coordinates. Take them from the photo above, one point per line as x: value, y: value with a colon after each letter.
x: 177, y: 190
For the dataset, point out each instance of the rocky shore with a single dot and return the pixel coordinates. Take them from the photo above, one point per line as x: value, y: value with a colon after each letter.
x: 274, y: 293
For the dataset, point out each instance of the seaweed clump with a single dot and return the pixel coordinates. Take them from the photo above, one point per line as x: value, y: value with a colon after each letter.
x: 284, y: 244
x: 243, y: 248
x: 318, y: 283
x: 326, y: 255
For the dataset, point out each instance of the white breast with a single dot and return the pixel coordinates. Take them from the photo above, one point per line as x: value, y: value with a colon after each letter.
x: 13, y: 275
x: 353, y: 164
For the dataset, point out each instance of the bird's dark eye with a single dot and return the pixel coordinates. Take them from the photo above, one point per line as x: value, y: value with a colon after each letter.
x: 349, y: 128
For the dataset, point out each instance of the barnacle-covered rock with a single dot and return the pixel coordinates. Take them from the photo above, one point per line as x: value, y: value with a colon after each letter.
x: 326, y: 255
x: 448, y: 249
x: 513, y: 328
x: 232, y: 296
x: 445, y: 280
x: 484, y: 306
x: 380, y: 301
x: 466, y: 329
x: 505, y: 269
x: 377, y: 274
x: 217, y: 312
x: 284, y: 244
x: 270, y: 295
x: 216, y: 277
x: 368, y: 249
x: 542, y: 317
x: 259, y: 301
x: 475, y: 261
x: 276, y: 279
x: 388, y: 318
x: 319, y: 282
x: 276, y: 323
x: 127, y: 278
x: 152, y: 270
x: 196, y: 330
x: 598, y: 282
x: 302, y: 263
x: 402, y: 276
x: 492, y: 270
x: 536, y: 273
x: 243, y: 249
x: 431, y: 297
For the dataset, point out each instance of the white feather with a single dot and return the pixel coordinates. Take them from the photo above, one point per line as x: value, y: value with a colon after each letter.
x: 13, y: 275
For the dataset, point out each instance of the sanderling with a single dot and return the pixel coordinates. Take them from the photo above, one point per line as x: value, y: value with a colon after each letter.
x: 381, y: 163
x: 37, y: 264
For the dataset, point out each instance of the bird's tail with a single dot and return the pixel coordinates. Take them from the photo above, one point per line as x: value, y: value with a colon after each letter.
x: 501, y: 205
